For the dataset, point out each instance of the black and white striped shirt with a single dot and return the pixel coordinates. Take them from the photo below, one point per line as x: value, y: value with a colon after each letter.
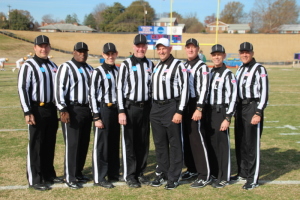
x: 103, y: 86
x: 253, y: 83
x: 133, y: 81
x: 223, y: 89
x: 72, y: 83
x: 36, y: 82
x: 169, y: 81
x: 198, y: 80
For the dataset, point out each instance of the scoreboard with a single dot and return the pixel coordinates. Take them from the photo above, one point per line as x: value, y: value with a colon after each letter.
x: 153, y: 33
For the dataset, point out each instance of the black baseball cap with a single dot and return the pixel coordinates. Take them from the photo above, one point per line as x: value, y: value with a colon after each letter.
x: 109, y: 47
x: 41, y: 39
x: 246, y: 46
x: 192, y: 41
x: 217, y: 48
x: 140, y: 39
x: 81, y: 46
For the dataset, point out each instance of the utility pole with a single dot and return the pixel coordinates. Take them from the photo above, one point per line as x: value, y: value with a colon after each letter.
x: 8, y: 16
x: 145, y: 13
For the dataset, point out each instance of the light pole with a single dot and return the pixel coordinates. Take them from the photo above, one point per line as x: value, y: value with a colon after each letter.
x: 8, y: 16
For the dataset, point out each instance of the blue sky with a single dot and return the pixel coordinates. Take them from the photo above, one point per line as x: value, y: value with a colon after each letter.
x: 59, y: 9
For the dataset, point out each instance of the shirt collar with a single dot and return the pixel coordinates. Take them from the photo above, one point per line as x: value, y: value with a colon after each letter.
x: 136, y: 60
x: 41, y: 61
x: 108, y: 67
x: 251, y: 63
x: 219, y: 69
x: 168, y: 61
x: 78, y: 64
x: 193, y: 62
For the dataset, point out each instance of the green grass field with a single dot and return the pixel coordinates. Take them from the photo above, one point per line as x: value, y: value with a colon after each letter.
x: 279, y: 161
x: 280, y: 152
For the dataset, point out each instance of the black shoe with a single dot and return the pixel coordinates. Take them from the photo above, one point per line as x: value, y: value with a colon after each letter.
x: 58, y: 180
x: 144, y: 180
x: 82, y: 179
x: 187, y: 175
x: 133, y: 183
x: 113, y: 178
x: 214, y: 178
x: 158, y: 181
x: 40, y: 187
x: 171, y: 185
x: 200, y: 183
x: 121, y: 178
x: 220, y: 184
x: 237, y: 178
x: 250, y: 186
x: 73, y: 185
x: 104, y: 184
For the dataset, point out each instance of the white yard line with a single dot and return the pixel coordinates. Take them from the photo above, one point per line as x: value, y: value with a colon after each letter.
x: 261, y: 182
x: 289, y: 133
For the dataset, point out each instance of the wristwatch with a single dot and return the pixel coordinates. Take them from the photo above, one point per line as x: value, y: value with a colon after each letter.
x: 199, y: 109
x: 228, y: 119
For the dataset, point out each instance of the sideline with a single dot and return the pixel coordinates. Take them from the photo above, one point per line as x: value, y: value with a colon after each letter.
x: 261, y: 182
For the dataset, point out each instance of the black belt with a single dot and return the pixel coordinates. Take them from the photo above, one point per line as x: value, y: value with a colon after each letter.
x: 218, y: 106
x: 72, y: 103
x: 42, y: 104
x: 140, y: 104
x: 164, y: 102
x: 248, y: 101
x: 109, y: 105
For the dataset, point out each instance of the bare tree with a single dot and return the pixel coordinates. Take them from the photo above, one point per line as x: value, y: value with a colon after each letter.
x: 98, y: 10
x: 192, y: 25
x: 48, y: 19
x: 232, y: 13
x: 273, y: 13
x: 210, y: 19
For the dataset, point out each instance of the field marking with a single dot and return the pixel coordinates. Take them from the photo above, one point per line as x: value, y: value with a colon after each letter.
x: 283, y: 104
x: 261, y: 182
x: 289, y: 133
x: 285, y: 126
x: 272, y: 121
x: 9, y: 130
x: 268, y: 105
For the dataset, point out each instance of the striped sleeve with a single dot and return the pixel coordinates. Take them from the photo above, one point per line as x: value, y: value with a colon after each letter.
x: 230, y: 93
x: 202, y: 85
x: 121, y: 82
x: 263, y: 88
x: 61, y: 87
x: 183, y: 86
x: 24, y: 80
x: 93, y: 93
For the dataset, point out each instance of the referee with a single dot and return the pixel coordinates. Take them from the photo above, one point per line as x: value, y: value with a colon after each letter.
x: 71, y: 95
x: 36, y: 91
x: 133, y: 97
x: 193, y: 120
x: 253, y: 88
x: 103, y: 104
x: 221, y: 106
x: 170, y: 94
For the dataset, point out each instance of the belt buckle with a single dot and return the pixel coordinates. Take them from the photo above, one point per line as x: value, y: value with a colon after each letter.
x: 41, y: 104
x: 109, y: 104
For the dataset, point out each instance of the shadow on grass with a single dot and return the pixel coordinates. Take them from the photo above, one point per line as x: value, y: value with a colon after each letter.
x: 274, y: 163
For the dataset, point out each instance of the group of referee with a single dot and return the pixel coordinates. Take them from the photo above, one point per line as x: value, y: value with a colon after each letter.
x: 188, y: 106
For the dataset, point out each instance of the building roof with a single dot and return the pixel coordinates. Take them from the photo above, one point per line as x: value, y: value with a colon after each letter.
x: 238, y: 27
x: 289, y: 27
x: 215, y: 24
x: 163, y: 19
x: 66, y: 27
